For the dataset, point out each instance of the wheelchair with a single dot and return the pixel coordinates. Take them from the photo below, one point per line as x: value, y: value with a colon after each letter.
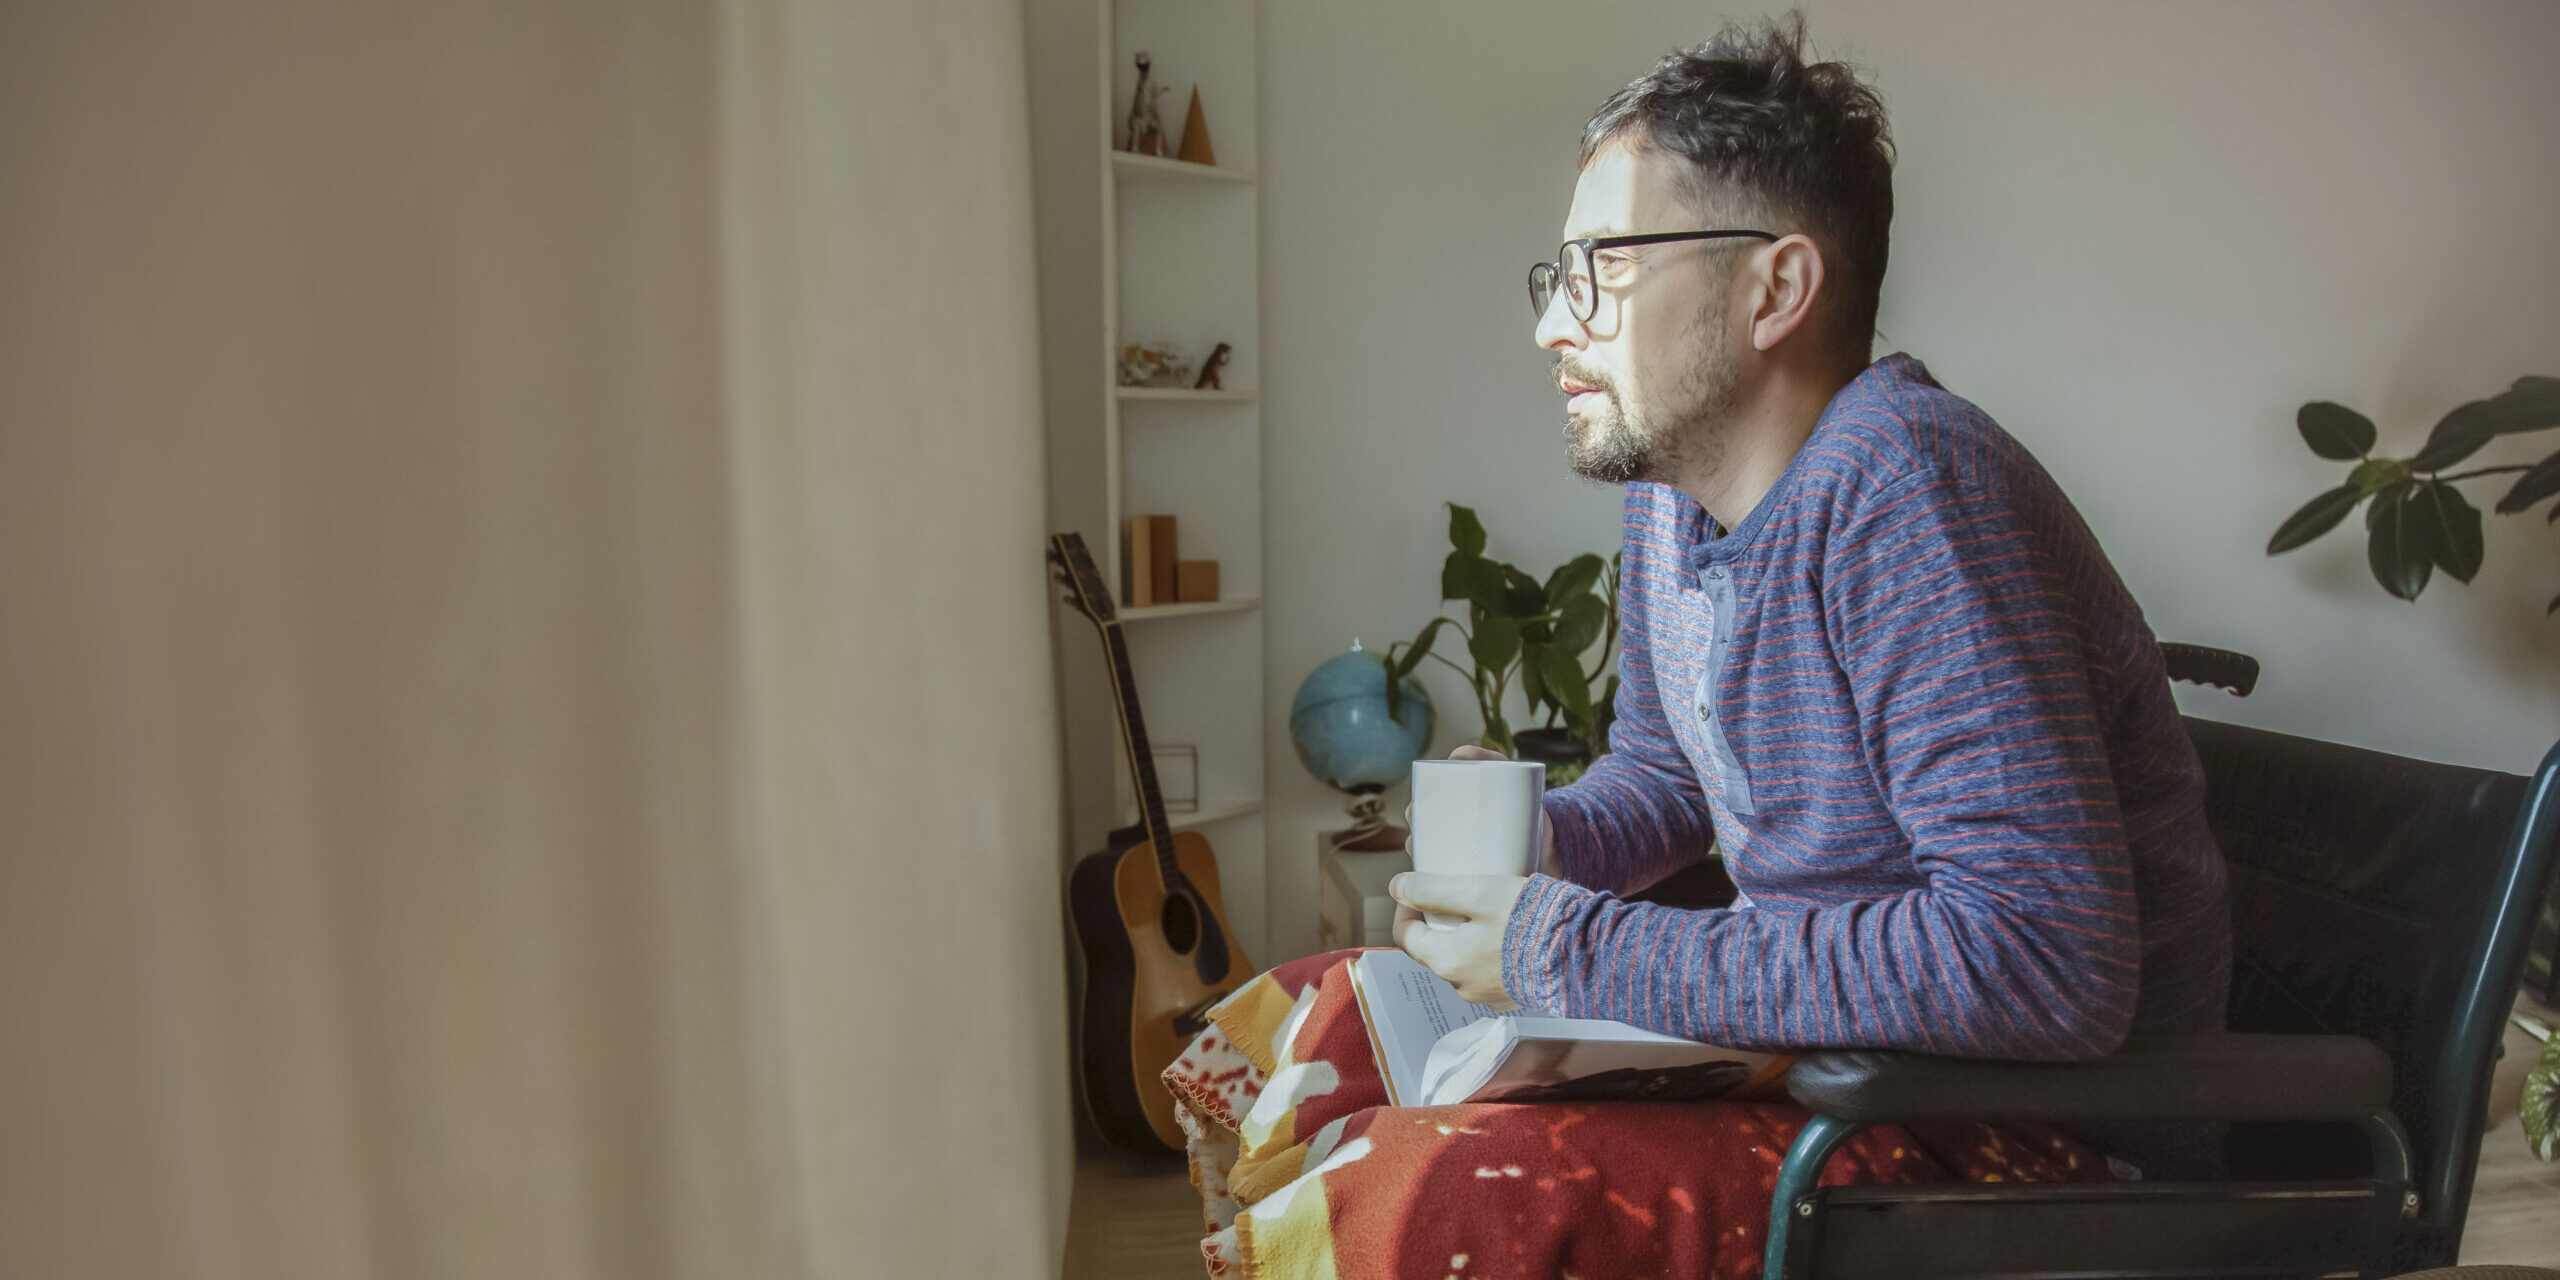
x: 2380, y: 911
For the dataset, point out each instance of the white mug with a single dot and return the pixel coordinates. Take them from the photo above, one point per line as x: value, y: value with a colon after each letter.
x: 1476, y: 817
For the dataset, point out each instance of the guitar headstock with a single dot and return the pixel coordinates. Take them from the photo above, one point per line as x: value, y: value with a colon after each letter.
x: 1087, y: 593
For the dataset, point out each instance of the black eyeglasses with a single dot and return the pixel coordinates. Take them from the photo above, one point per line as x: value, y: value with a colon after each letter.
x: 1572, y: 267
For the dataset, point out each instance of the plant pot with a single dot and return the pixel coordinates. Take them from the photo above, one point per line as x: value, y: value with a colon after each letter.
x: 1552, y: 747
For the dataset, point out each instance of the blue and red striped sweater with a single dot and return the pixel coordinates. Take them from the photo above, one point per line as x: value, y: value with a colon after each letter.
x: 1934, y: 737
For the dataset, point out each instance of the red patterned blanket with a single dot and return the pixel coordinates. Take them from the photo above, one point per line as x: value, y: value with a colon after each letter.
x: 1304, y: 1171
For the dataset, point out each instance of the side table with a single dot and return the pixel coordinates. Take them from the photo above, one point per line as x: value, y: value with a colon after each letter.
x: 1354, y: 909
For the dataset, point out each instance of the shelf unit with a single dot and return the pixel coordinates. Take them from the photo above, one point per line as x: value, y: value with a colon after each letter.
x: 1189, y: 610
x: 1132, y: 167
x: 1147, y: 249
x: 1179, y: 395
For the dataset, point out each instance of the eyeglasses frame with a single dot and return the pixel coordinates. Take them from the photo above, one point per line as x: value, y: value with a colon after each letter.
x: 1591, y: 247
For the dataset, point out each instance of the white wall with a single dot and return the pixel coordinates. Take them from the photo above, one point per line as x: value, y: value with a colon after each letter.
x: 2140, y: 236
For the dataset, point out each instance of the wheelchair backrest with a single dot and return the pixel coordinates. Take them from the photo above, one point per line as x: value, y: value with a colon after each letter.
x: 2384, y: 897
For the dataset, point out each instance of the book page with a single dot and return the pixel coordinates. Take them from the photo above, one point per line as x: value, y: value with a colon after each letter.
x: 1408, y: 1009
x: 1526, y: 1059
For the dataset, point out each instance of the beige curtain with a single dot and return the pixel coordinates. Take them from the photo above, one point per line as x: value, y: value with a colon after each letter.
x: 525, y: 736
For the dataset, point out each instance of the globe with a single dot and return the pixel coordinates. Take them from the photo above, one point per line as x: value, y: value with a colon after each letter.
x: 1340, y: 726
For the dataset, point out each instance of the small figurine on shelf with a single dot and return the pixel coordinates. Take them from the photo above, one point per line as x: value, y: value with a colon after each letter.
x: 1212, y: 369
x: 1158, y: 364
x: 1195, y: 135
x: 1145, y: 132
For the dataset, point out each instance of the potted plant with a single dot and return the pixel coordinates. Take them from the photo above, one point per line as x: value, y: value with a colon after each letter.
x: 2419, y: 521
x: 1536, y: 635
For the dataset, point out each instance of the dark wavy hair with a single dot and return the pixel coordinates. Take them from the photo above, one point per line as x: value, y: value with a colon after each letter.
x: 1771, y: 136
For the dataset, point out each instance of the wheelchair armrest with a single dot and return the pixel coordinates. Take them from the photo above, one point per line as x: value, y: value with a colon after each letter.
x: 2226, y: 1076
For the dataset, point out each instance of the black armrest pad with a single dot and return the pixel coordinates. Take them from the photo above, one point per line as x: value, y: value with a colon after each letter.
x: 2217, y: 1077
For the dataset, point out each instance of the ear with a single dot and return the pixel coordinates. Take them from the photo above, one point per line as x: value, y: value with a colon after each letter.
x: 1791, y: 279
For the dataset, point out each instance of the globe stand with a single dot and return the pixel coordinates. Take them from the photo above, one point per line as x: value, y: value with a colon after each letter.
x: 1370, y: 832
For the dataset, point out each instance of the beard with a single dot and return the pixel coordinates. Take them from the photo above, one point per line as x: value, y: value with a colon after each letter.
x: 1660, y: 440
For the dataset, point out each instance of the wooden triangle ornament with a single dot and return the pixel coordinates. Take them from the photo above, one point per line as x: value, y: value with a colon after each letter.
x: 1195, y: 134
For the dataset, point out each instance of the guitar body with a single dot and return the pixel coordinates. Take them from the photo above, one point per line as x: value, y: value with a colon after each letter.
x: 1152, y: 968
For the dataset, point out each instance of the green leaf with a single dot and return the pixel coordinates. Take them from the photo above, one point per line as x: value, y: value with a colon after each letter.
x: 1573, y: 578
x: 2334, y: 430
x: 1466, y: 533
x: 1564, y: 680
x: 1583, y: 618
x: 1533, y: 681
x: 2459, y: 435
x: 1417, y: 651
x: 1453, y: 575
x: 2533, y: 486
x: 1484, y: 588
x: 2541, y: 1102
x: 2316, y: 517
x: 2532, y: 404
x: 1496, y: 642
x: 1522, y: 596
x: 2396, y: 546
x: 1399, y: 668
x: 2373, y: 475
x: 2381, y: 500
x: 2453, y: 528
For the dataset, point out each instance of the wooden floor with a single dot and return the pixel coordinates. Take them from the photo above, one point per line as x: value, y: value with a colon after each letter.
x: 1135, y: 1219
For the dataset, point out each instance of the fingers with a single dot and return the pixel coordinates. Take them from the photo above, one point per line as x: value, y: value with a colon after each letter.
x: 1406, y: 918
x: 1438, y: 950
x: 1471, y: 751
x: 1455, y: 895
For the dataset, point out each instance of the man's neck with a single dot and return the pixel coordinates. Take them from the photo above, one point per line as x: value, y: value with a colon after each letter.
x: 1761, y: 440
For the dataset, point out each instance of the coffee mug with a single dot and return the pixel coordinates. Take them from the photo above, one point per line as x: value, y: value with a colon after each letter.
x: 1476, y: 817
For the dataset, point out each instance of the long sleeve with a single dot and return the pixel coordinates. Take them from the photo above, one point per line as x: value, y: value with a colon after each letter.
x: 1969, y: 710
x: 1637, y: 814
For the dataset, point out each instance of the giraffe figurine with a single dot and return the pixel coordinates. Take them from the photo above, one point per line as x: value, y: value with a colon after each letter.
x: 1144, y: 134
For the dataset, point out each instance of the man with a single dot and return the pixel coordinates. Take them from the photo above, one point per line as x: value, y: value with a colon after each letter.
x: 1868, y: 644
x: 1868, y: 647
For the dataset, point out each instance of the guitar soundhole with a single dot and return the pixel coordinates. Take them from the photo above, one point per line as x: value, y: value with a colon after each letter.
x: 1181, y: 923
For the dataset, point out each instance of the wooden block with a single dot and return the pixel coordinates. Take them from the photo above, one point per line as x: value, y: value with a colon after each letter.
x: 1137, y: 560
x: 1162, y: 548
x: 1195, y: 135
x: 1196, y: 581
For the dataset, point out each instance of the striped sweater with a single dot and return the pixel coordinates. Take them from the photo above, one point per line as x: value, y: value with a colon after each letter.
x: 1935, y: 738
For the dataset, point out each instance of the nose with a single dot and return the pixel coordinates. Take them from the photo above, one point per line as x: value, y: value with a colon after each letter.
x: 1557, y: 329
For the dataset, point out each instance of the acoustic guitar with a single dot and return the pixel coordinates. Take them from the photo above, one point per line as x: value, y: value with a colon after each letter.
x: 1157, y: 949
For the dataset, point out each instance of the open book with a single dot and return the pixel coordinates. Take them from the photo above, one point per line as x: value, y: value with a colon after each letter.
x: 1434, y: 1048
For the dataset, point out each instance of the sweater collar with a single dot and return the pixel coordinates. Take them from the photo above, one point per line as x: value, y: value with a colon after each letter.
x: 1877, y: 380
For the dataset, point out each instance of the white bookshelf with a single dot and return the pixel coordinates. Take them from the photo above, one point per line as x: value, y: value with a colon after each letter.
x: 1138, y: 168
x: 1180, y: 395
x: 1154, y: 611
x: 1210, y: 817
x: 1147, y: 249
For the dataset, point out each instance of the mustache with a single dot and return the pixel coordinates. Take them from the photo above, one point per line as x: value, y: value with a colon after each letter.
x: 1567, y: 371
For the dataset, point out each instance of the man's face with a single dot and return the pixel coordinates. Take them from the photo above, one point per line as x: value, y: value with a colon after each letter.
x: 1653, y: 376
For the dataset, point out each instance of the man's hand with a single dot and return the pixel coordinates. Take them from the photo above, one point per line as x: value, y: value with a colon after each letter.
x: 1469, y: 956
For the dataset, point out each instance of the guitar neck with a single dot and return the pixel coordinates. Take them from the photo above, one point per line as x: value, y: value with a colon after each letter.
x: 1142, y: 760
